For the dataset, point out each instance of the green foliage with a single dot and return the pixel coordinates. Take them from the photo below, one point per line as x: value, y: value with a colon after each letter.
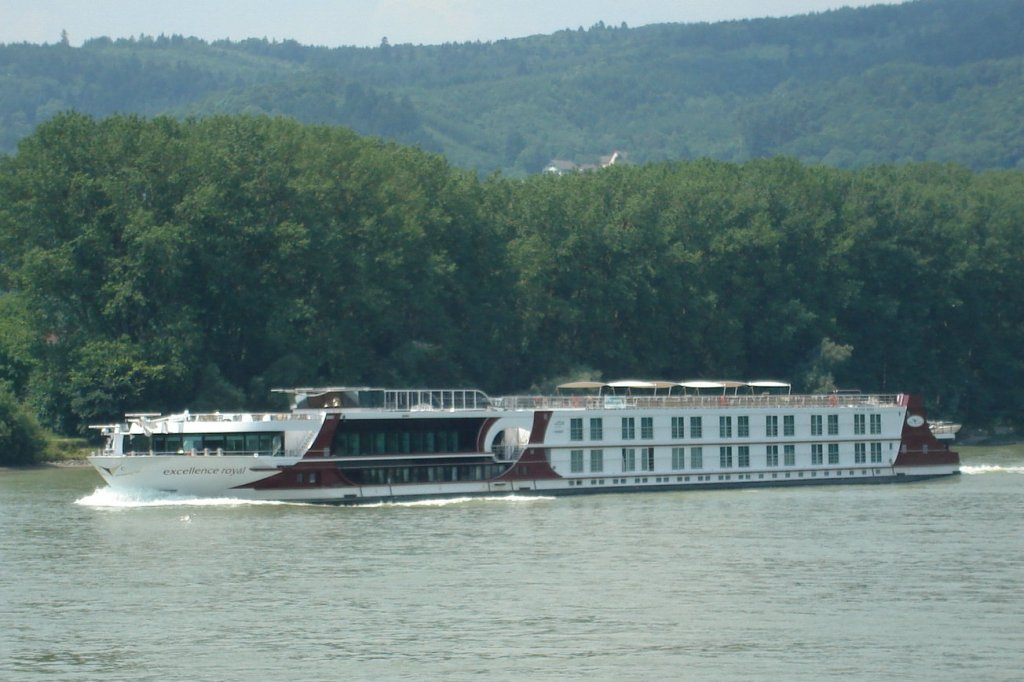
x: 818, y: 377
x: 935, y: 80
x: 22, y: 441
x: 109, y: 373
x: 17, y: 345
x: 162, y: 264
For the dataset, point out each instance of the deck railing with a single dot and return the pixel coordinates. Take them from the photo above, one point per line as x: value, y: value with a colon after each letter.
x: 435, y: 399
x: 692, y: 401
x: 203, y: 452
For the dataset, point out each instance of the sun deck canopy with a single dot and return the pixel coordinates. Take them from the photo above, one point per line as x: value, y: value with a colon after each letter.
x: 697, y: 385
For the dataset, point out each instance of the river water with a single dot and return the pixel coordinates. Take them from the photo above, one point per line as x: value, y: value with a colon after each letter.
x: 920, y: 581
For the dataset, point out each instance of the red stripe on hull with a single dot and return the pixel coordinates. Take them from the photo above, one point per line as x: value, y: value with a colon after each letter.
x: 533, y: 464
x: 918, y: 445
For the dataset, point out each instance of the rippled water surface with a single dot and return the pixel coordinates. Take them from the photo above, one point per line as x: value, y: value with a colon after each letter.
x: 913, y: 582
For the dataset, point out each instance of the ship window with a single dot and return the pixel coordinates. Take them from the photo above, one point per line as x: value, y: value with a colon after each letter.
x: 876, y: 452
x: 647, y: 459
x: 628, y: 428
x: 257, y: 442
x: 833, y: 453
x: 876, y: 423
x: 628, y: 459
x: 677, y: 426
x: 743, y: 455
x: 772, y: 455
x: 678, y: 457
x: 647, y: 427
x: 833, y: 425
x: 696, y: 458
x: 858, y: 424
x: 816, y: 453
x: 725, y: 427
x: 816, y: 421
x: 597, y: 460
x: 743, y: 426
x: 138, y: 444
x: 789, y: 455
x: 696, y: 427
x: 725, y: 457
x: 788, y: 425
x: 596, y: 428
x: 576, y: 429
x: 576, y: 461
x: 771, y: 426
x: 859, y: 453
x: 262, y: 443
x: 405, y: 437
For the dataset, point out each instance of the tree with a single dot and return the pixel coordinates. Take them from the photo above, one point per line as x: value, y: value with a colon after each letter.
x: 21, y: 439
x: 827, y: 357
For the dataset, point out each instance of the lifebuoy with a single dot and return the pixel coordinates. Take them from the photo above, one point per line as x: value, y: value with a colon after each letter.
x: 833, y: 400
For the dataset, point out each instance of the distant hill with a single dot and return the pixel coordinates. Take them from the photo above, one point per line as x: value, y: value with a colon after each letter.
x: 936, y: 80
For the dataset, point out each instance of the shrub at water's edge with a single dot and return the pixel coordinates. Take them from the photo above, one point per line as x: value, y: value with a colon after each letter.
x: 22, y: 439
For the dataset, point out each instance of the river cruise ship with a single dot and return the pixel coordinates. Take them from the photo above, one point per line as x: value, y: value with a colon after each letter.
x: 345, y: 445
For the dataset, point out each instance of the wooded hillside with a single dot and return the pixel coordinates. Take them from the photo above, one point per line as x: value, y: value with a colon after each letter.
x: 931, y: 80
x: 153, y: 264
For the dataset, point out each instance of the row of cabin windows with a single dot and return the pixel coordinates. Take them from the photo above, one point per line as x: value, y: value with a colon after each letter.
x: 395, y: 442
x: 265, y: 443
x: 861, y: 423
x: 632, y: 458
x: 445, y: 473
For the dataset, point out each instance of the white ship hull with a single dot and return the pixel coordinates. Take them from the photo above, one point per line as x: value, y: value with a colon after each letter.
x: 187, y: 475
x: 402, y: 448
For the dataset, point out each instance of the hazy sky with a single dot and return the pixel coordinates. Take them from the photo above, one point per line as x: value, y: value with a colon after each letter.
x: 365, y: 22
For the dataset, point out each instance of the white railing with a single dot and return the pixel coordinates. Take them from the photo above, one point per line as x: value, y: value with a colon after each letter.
x: 692, y: 401
x: 428, y: 399
x: 206, y: 452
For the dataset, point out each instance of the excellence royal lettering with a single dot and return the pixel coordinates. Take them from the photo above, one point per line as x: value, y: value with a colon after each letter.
x: 202, y: 471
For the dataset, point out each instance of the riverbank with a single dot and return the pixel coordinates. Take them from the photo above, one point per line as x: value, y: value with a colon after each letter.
x: 986, y: 437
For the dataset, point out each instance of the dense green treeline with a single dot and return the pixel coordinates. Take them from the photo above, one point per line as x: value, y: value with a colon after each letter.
x: 158, y: 264
x: 928, y: 80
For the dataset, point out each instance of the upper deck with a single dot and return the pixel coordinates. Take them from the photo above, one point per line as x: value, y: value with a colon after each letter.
x: 689, y: 402
x: 584, y: 396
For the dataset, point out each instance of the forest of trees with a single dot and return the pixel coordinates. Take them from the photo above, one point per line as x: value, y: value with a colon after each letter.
x: 929, y: 80
x: 158, y: 264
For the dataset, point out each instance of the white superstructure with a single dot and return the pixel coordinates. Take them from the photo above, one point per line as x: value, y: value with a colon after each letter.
x: 344, y: 444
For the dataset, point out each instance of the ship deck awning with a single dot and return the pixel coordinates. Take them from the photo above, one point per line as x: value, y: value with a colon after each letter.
x: 703, y: 385
x: 771, y: 384
x: 627, y: 385
x: 580, y: 386
x: 698, y: 385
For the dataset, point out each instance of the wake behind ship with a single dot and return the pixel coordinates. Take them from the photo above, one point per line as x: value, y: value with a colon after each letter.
x: 345, y: 445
